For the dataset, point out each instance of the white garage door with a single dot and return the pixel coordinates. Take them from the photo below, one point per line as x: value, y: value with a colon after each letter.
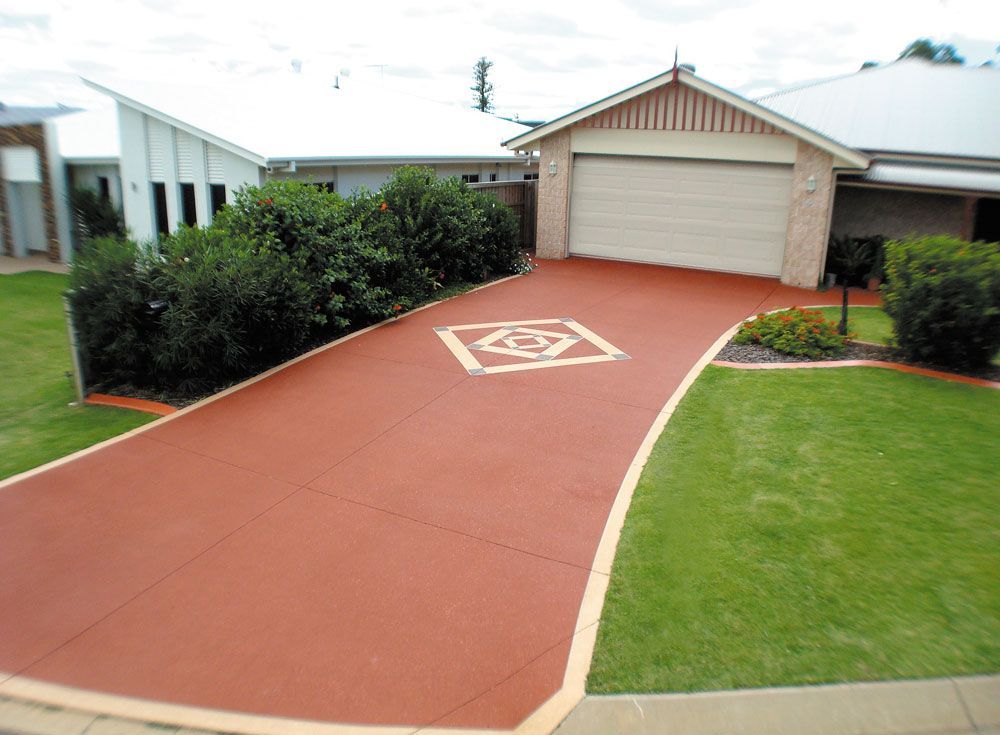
x: 703, y: 214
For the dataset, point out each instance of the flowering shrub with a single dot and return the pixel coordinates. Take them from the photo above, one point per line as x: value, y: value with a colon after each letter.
x: 943, y: 295
x: 794, y: 331
x: 283, y: 266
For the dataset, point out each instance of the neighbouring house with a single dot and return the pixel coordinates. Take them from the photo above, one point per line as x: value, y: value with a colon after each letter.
x: 678, y: 171
x: 933, y: 134
x: 34, y: 217
x: 187, y: 147
x: 44, y: 153
x: 88, y: 145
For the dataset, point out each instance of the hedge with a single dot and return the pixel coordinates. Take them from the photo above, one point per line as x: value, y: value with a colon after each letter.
x: 284, y: 266
x: 943, y: 295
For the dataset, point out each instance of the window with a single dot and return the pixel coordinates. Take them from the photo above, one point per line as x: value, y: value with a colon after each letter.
x: 189, y: 212
x: 160, y: 207
x: 104, y: 187
x: 493, y: 177
x: 531, y: 177
x: 470, y: 178
x: 217, y: 192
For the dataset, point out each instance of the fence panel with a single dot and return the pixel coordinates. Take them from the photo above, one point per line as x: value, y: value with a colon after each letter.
x: 522, y: 197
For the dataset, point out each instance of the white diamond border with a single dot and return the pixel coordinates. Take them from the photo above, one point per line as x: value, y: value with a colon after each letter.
x: 464, y: 355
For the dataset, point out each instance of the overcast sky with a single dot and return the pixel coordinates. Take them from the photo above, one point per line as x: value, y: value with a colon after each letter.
x: 550, y: 57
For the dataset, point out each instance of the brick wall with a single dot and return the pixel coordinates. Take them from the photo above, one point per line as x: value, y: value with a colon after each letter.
x: 34, y: 136
x: 808, y: 217
x: 551, y: 237
x: 860, y: 211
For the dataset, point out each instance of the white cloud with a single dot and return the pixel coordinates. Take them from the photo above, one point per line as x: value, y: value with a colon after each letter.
x: 549, y: 57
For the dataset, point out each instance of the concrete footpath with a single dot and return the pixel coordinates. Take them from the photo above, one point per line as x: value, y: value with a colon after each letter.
x: 962, y: 705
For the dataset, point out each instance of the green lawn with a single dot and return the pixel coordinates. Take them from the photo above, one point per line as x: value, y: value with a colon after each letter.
x: 36, y: 422
x: 869, y: 323
x: 790, y: 528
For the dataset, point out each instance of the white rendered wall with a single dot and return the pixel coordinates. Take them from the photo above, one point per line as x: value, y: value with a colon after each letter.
x: 136, y: 196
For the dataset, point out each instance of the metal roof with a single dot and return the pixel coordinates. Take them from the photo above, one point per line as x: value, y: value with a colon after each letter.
x: 11, y: 116
x: 291, y: 118
x: 933, y: 177
x: 909, y: 106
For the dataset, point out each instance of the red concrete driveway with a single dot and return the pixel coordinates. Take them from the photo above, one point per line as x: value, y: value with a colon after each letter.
x: 372, y: 535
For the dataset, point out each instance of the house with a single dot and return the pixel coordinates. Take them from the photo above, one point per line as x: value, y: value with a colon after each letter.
x: 88, y: 146
x: 679, y: 171
x: 187, y: 147
x: 33, y: 213
x: 933, y: 135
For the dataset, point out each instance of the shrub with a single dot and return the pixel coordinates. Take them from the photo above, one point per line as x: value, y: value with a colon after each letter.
x: 315, y: 230
x: 501, y: 240
x: 943, y: 295
x: 230, y: 309
x: 108, y: 291
x: 94, y: 216
x: 794, y: 331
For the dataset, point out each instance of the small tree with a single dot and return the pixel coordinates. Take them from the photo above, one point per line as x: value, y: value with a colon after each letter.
x: 482, y: 88
x: 939, y: 53
x: 849, y: 256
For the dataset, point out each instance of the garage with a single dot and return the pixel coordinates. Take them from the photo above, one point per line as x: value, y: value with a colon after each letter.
x: 726, y: 216
x: 680, y: 172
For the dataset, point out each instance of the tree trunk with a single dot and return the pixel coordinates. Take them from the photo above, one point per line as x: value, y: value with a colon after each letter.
x: 842, y: 327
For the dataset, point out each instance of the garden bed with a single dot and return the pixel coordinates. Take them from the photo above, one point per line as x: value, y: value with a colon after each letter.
x: 753, y: 353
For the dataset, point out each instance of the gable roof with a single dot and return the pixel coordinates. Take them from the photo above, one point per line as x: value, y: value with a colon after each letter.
x: 844, y: 156
x: 909, y: 106
x: 291, y: 118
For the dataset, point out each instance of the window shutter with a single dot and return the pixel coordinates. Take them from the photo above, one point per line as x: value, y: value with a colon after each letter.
x: 156, y: 147
x: 185, y: 157
x: 20, y: 163
x: 216, y: 171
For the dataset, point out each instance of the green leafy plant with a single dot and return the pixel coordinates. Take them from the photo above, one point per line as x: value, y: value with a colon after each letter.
x: 795, y: 331
x: 94, y: 216
x: 851, y: 258
x: 943, y: 295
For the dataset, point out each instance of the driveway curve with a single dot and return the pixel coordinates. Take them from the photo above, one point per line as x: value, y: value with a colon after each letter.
x: 397, y: 530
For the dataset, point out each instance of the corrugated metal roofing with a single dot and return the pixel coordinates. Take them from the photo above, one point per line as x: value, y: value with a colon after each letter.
x: 10, y: 116
x: 936, y: 177
x: 293, y: 118
x: 910, y: 106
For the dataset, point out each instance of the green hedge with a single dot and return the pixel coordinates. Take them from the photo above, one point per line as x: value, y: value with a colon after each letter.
x: 285, y: 265
x: 943, y: 295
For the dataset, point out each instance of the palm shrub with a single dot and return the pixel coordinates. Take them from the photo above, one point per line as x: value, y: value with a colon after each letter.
x: 94, y: 216
x: 943, y: 295
x: 851, y: 258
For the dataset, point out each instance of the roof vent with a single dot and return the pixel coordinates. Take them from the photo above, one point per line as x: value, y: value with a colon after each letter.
x: 687, y: 67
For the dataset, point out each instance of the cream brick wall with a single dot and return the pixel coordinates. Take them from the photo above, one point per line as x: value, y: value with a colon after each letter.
x: 808, y: 217
x: 553, y: 196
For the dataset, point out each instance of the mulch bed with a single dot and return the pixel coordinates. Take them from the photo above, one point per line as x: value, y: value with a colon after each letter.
x: 853, y: 351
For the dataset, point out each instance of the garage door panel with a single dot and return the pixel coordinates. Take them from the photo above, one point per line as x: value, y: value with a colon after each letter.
x: 705, y: 214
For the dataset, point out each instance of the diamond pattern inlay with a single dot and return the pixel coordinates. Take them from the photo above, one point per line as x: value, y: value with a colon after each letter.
x: 532, y: 346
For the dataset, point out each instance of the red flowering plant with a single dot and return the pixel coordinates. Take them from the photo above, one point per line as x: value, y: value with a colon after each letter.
x: 795, y: 331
